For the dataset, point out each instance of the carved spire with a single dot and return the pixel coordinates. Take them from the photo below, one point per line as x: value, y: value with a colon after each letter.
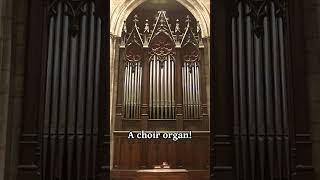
x: 199, y: 35
x: 177, y: 32
x: 123, y: 34
x: 162, y: 26
x: 135, y: 20
x: 146, y: 26
x: 188, y: 20
x: 146, y: 33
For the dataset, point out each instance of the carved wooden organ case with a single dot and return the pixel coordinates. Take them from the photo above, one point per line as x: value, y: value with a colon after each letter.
x: 160, y: 76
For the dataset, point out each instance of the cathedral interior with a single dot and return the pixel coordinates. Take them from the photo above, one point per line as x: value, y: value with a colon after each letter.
x: 235, y: 83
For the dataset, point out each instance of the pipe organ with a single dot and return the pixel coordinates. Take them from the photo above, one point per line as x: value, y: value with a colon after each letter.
x: 191, y: 80
x: 161, y: 70
x: 162, y: 75
x: 132, y: 82
x: 70, y: 128
x: 261, y: 128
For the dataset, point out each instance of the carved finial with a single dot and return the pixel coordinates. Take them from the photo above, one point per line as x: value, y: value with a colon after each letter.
x: 188, y: 19
x: 146, y: 27
x: 198, y: 27
x: 124, y: 29
x: 177, y: 28
x: 135, y: 20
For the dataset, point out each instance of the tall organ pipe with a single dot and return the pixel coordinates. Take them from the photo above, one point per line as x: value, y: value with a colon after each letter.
x: 277, y: 86
x: 89, y: 93
x: 96, y: 94
x: 154, y: 87
x: 198, y: 91
x: 55, y: 92
x: 125, y: 91
x: 184, y: 89
x: 269, y: 99
x: 173, y: 91
x: 166, y: 89
x: 135, y: 91
x: 284, y: 96
x: 63, y: 89
x: 243, y: 122
x: 81, y: 93
x: 260, y: 101
x: 72, y: 103
x: 170, y: 93
x: 161, y: 91
x: 193, y: 91
x: 235, y: 95
x: 47, y: 120
x: 251, y: 93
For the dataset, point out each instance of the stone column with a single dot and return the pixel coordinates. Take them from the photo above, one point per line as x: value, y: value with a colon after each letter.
x: 114, y: 63
x: 208, y: 70
x: 5, y: 65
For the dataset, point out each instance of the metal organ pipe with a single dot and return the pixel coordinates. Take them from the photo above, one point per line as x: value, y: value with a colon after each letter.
x: 139, y: 89
x: 135, y: 90
x: 161, y: 89
x: 235, y: 95
x: 154, y: 87
x: 169, y: 88
x: 132, y: 90
x: 173, y: 91
x: 71, y: 94
x: 277, y: 86
x: 197, y: 90
x: 166, y: 97
x: 55, y: 91
x: 284, y: 96
x: 184, y: 89
x: 259, y: 84
x: 125, y: 90
x: 96, y: 92
x: 251, y: 89
x: 269, y: 99
x: 47, y: 129
x: 151, y: 89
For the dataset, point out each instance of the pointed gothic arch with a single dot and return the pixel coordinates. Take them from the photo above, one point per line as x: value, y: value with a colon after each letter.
x: 197, y: 8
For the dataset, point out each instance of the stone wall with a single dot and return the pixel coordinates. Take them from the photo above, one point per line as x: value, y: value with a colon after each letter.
x: 12, y: 60
x: 5, y: 64
x: 312, y: 58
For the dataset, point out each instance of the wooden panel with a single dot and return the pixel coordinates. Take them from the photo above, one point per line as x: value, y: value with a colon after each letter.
x: 222, y: 152
x: 131, y: 174
x: 184, y: 153
x: 170, y: 174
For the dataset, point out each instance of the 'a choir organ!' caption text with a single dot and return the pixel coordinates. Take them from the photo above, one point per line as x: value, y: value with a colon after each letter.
x: 173, y: 135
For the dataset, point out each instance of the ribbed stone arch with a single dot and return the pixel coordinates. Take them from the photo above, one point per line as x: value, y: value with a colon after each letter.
x: 122, y: 10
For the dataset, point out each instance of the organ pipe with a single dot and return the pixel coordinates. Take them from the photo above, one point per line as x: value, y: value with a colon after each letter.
x: 260, y: 93
x: 191, y: 91
x: 235, y: 96
x: 132, y: 90
x: 170, y: 94
x: 70, y: 124
x: 162, y: 89
x: 172, y: 86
